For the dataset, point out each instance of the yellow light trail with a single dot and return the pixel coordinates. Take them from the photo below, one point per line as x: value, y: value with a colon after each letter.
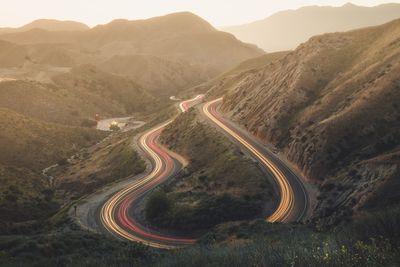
x: 286, y: 204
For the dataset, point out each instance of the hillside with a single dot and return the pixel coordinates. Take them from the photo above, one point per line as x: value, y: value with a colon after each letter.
x: 160, y: 76
x: 285, y: 30
x: 219, y: 185
x: 106, y: 90
x: 332, y: 107
x: 23, y: 60
x: 231, y: 78
x: 11, y: 55
x: 45, y: 102
x: 27, y: 147
x: 27, y: 142
x: 76, y: 96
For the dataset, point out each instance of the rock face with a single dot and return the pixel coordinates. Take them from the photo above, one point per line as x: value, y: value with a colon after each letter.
x: 287, y: 29
x: 332, y: 106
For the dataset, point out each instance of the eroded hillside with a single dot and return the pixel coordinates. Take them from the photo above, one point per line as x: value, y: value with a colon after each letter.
x: 332, y: 106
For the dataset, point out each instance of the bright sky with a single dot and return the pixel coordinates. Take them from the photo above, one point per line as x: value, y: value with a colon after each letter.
x: 15, y: 13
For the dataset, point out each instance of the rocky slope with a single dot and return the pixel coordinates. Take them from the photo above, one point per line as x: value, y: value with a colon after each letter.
x: 231, y: 78
x: 332, y: 106
x: 287, y: 29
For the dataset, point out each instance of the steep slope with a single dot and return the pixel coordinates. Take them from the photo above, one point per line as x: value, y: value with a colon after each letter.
x: 231, y: 78
x: 332, y: 106
x: 287, y: 29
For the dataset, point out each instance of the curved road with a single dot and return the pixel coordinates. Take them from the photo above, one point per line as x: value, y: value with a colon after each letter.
x: 115, y: 215
x: 293, y: 202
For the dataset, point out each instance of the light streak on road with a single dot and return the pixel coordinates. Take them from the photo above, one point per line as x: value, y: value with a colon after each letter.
x: 287, y: 197
x: 114, y: 213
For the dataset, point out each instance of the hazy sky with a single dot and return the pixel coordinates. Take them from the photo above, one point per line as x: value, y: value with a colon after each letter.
x: 92, y: 12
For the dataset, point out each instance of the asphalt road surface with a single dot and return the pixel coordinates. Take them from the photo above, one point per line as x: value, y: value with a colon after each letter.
x: 115, y: 215
x: 294, y: 201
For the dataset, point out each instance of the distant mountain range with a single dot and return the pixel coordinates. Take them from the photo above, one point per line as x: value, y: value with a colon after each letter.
x: 48, y: 25
x: 287, y: 29
x: 165, y: 54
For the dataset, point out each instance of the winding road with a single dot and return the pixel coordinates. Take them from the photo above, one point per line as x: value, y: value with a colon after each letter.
x: 115, y: 216
x: 293, y: 202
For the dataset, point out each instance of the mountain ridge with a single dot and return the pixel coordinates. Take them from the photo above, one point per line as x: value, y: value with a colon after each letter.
x: 49, y: 25
x: 285, y: 30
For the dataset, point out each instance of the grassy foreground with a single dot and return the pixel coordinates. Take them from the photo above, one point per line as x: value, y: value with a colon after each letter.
x: 372, y: 240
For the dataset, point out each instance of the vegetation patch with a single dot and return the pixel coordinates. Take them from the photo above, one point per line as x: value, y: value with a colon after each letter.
x: 219, y: 185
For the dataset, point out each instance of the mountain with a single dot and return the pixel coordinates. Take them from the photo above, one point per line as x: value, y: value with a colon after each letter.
x: 23, y: 56
x: 287, y: 29
x: 177, y: 37
x: 332, y: 106
x: 164, y: 55
x: 48, y: 25
x: 160, y: 76
x: 231, y: 78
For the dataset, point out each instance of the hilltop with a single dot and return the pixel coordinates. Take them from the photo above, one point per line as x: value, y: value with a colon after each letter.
x: 48, y: 25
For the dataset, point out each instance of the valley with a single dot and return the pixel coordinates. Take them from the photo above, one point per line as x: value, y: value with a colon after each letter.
x: 167, y: 142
